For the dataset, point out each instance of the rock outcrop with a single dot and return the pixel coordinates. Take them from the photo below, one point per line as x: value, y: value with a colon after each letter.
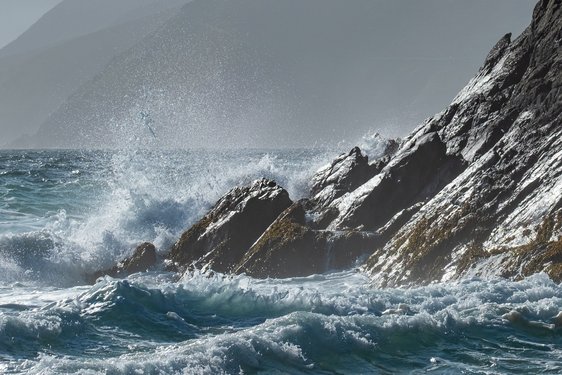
x: 345, y: 174
x: 501, y: 215
x: 292, y: 247
x: 144, y: 258
x: 220, y: 240
x: 475, y: 190
x: 257, y: 230
x: 421, y: 169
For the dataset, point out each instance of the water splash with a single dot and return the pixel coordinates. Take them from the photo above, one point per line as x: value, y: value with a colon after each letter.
x: 91, y: 209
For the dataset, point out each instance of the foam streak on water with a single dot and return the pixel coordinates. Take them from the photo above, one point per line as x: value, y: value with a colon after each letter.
x: 66, y: 213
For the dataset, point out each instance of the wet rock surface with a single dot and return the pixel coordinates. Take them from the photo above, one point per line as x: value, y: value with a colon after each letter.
x: 421, y: 169
x: 506, y: 125
x: 345, y: 174
x: 220, y: 239
x: 291, y: 247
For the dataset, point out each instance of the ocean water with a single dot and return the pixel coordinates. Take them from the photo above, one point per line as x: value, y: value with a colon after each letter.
x: 67, y: 213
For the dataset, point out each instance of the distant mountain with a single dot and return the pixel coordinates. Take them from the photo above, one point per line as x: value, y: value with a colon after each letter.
x: 75, y: 18
x: 66, y: 48
x: 270, y: 73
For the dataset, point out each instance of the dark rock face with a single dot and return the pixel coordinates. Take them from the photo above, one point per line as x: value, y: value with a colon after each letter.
x: 290, y: 247
x: 280, y: 251
x: 416, y: 174
x: 144, y: 258
x: 468, y: 193
x: 257, y: 230
x: 222, y: 237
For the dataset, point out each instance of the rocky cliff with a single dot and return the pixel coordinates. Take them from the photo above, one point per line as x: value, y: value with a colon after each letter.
x: 493, y: 206
x: 475, y: 190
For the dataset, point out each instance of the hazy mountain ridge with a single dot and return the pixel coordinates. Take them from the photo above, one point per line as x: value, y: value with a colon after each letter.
x: 71, y: 19
x: 273, y: 74
x: 54, y: 57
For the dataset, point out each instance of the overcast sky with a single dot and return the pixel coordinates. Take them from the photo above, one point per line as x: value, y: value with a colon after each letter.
x: 17, y: 15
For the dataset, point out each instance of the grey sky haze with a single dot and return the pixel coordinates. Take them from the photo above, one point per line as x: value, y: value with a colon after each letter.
x: 17, y: 15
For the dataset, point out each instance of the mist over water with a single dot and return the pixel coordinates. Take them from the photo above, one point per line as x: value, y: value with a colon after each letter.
x: 248, y: 73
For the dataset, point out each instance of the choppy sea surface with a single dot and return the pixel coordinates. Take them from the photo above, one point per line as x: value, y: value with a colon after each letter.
x: 64, y: 214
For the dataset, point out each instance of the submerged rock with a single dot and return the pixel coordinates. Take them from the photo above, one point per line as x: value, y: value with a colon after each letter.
x: 220, y: 240
x: 144, y: 258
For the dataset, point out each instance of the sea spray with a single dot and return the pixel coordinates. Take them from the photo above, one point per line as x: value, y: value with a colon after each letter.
x: 68, y: 213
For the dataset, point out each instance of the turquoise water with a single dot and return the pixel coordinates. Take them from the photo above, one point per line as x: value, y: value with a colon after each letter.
x: 65, y: 213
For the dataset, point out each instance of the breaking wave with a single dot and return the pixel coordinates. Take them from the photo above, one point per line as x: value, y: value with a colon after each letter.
x: 68, y: 213
x: 332, y: 323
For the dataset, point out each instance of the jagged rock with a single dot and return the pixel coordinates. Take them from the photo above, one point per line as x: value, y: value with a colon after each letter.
x: 279, y: 252
x: 344, y: 174
x: 349, y: 171
x: 416, y: 173
x: 290, y: 247
x: 144, y: 257
x: 379, y: 148
x: 474, y: 191
x: 506, y: 125
x: 220, y: 239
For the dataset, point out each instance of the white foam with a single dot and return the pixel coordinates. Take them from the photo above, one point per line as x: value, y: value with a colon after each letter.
x: 338, y: 311
x: 143, y: 196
